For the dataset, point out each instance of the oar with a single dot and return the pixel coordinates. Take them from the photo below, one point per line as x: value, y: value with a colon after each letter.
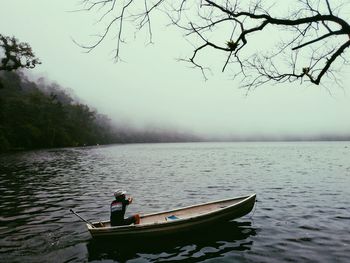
x: 82, y: 218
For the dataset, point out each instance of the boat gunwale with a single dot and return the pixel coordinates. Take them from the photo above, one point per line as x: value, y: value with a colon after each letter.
x: 178, y: 221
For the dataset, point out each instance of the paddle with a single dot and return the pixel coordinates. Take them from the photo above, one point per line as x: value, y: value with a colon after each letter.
x: 82, y: 218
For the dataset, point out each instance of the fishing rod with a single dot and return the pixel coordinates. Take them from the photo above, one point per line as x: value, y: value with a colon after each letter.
x: 82, y: 218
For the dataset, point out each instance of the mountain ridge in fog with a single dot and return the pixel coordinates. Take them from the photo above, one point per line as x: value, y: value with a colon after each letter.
x: 42, y: 114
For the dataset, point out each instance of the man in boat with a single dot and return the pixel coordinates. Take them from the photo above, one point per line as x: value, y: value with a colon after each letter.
x: 118, y: 207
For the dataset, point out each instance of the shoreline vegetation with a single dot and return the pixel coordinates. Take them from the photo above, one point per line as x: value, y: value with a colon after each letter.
x: 37, y: 115
x: 41, y: 115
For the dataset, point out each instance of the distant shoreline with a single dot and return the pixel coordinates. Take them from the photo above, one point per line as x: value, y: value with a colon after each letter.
x: 16, y: 150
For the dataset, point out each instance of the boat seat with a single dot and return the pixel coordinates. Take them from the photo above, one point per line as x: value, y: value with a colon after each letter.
x: 171, y: 218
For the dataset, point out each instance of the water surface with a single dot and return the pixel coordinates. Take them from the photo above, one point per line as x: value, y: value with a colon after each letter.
x: 302, y: 213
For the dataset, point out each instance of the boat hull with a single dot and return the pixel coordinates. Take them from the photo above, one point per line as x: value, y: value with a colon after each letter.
x: 194, y: 223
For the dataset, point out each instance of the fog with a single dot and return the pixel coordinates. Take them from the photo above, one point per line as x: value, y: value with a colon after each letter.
x: 150, y: 88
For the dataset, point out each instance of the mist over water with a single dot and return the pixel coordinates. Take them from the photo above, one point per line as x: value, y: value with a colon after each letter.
x: 150, y: 87
x: 301, y: 214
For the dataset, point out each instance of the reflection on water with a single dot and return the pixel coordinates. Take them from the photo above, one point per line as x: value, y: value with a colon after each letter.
x: 199, y: 246
x: 302, y: 214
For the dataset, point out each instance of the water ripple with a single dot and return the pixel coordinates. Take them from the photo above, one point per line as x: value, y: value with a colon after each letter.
x: 301, y: 215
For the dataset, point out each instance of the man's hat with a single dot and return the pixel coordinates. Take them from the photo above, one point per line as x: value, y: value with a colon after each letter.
x: 119, y: 192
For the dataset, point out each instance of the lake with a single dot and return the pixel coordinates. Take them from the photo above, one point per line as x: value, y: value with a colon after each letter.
x: 302, y: 213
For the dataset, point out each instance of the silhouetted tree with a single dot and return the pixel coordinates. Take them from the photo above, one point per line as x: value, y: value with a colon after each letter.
x: 16, y: 54
x: 311, y: 44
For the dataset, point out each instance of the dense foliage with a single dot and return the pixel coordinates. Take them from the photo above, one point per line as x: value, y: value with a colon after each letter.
x: 35, y: 116
x: 40, y: 115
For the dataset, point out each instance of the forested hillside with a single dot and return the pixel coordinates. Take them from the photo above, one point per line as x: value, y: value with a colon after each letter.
x: 40, y: 115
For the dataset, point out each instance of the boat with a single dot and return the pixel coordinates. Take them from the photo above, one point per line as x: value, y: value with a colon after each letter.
x: 185, y: 219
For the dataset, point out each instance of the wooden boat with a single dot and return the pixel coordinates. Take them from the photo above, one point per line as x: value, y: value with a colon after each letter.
x: 178, y: 220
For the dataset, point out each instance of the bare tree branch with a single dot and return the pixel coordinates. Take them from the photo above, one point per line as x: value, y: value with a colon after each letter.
x: 313, y: 38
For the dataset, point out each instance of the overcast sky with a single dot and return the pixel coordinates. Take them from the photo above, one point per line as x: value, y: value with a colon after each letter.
x: 152, y: 88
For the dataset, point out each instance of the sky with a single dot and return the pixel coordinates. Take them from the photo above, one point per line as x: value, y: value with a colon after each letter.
x: 150, y: 87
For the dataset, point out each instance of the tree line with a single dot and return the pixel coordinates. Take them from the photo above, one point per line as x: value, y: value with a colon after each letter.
x: 34, y: 114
